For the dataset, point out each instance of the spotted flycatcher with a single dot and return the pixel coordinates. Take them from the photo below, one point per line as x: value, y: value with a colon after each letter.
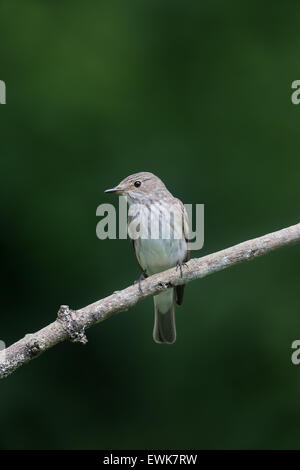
x: 158, y: 227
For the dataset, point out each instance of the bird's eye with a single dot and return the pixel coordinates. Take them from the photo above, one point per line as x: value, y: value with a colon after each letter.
x: 137, y: 184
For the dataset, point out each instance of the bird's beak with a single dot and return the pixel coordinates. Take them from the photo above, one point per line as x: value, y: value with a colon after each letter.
x: 113, y: 190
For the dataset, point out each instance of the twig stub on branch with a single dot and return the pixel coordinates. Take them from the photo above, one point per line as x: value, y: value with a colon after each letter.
x: 67, y: 318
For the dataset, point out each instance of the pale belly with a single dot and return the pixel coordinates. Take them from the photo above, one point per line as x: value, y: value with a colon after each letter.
x: 158, y: 255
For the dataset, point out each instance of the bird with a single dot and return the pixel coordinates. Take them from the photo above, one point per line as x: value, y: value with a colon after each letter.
x: 159, y: 229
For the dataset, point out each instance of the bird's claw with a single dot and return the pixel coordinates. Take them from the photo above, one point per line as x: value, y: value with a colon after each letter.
x: 179, y: 265
x: 140, y: 279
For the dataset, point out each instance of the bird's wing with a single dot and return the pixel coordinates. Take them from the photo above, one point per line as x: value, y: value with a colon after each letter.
x: 179, y: 290
x: 185, y: 228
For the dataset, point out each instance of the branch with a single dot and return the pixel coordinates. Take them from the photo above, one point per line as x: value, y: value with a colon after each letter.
x: 72, y: 324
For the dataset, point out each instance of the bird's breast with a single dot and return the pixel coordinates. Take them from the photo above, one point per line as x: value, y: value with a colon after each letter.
x: 160, y: 243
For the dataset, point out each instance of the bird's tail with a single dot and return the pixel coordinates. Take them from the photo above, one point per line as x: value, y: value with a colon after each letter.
x: 164, y: 318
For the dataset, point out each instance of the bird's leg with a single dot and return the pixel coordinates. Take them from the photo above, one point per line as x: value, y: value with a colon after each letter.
x: 179, y: 265
x: 140, y: 279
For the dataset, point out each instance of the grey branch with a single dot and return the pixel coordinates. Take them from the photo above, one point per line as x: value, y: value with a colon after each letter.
x: 71, y: 324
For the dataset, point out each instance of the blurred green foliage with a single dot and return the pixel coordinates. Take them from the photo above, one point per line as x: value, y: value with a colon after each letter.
x: 199, y: 94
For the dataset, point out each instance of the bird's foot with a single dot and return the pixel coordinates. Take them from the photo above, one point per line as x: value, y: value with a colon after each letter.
x: 140, y: 279
x: 181, y: 264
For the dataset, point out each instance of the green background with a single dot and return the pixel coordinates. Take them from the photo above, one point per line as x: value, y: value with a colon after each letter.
x: 198, y: 93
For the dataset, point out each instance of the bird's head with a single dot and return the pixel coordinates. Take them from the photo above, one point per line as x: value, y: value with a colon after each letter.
x: 139, y: 186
